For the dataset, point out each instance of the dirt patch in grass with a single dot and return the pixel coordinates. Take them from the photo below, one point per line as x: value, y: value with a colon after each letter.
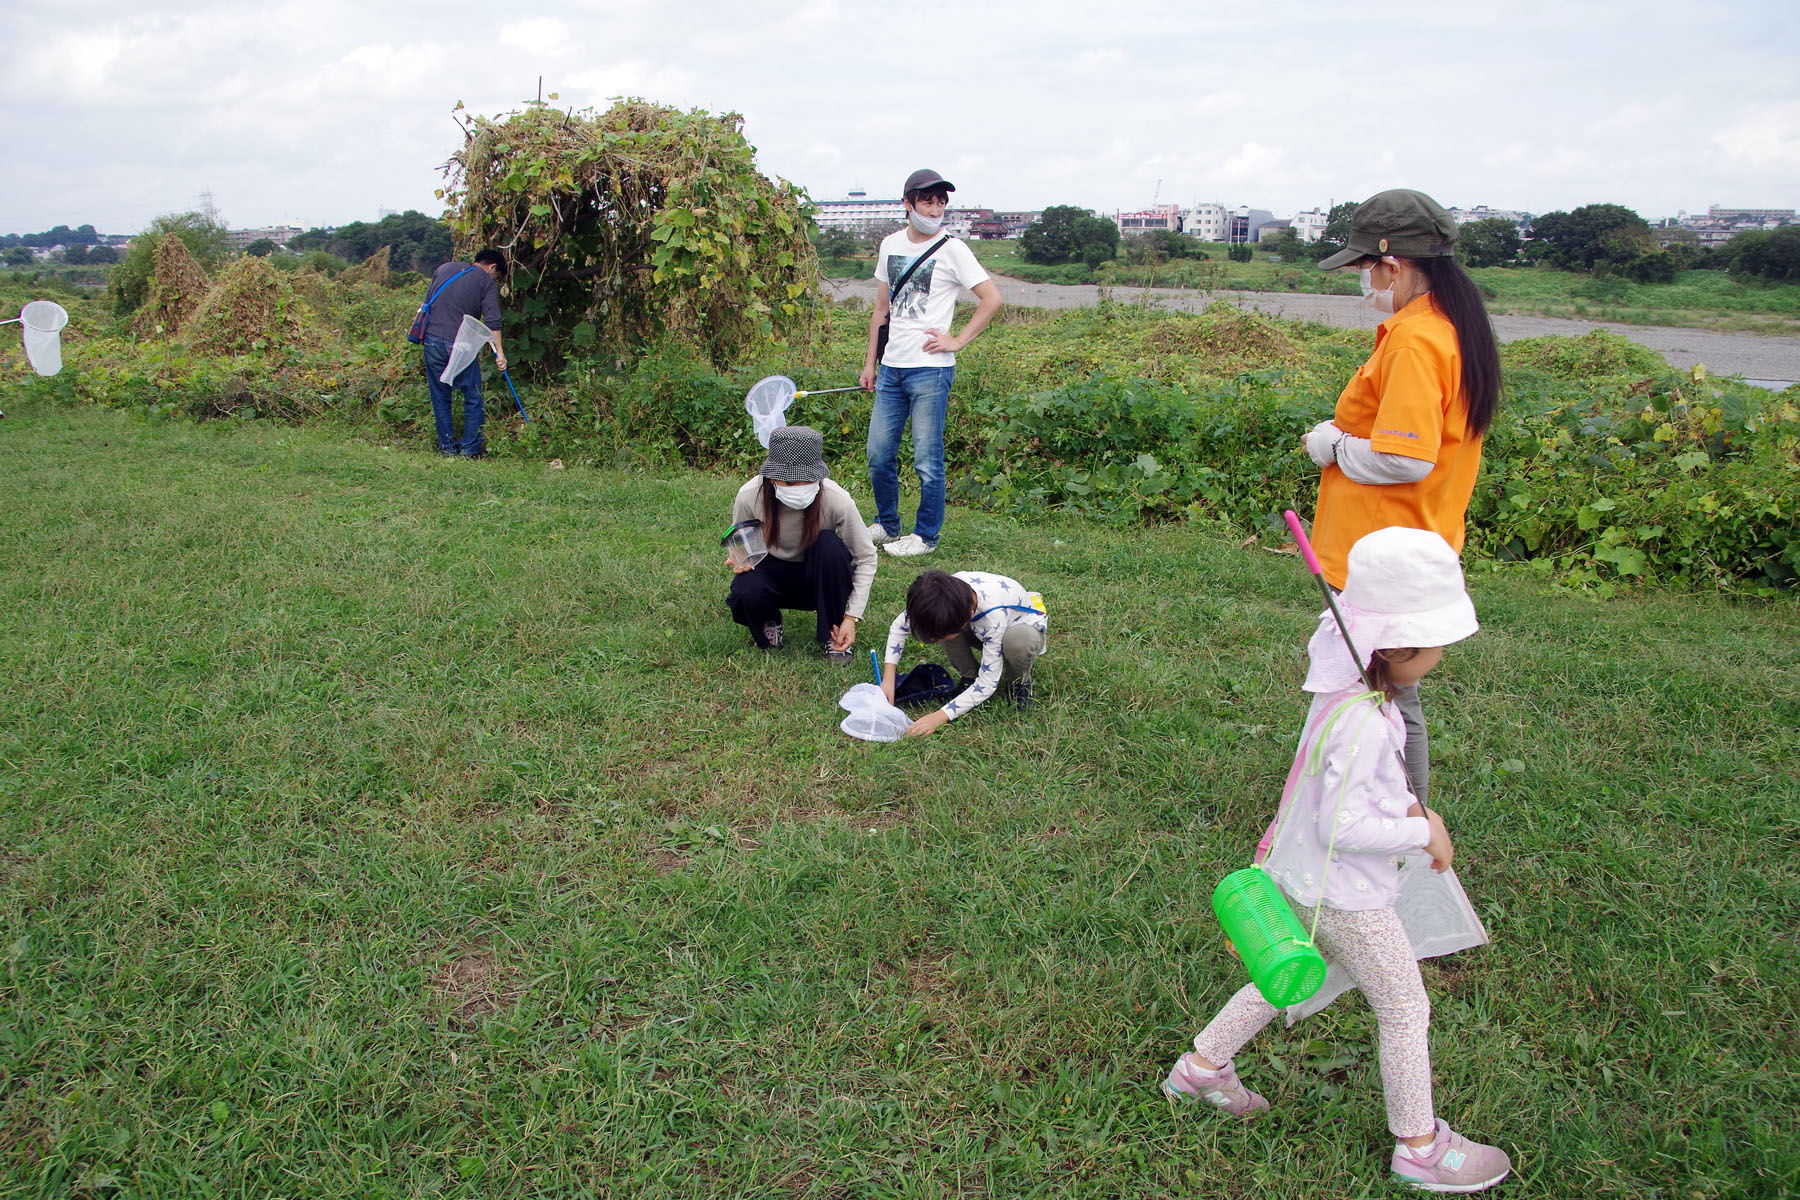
x: 1223, y: 334
x: 609, y: 1025
x: 665, y: 861
x: 476, y: 987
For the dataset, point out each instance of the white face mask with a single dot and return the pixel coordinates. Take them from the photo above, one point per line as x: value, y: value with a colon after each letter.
x: 924, y: 224
x: 1381, y: 301
x: 797, y: 495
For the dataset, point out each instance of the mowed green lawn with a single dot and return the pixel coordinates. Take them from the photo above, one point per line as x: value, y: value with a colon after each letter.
x: 372, y: 825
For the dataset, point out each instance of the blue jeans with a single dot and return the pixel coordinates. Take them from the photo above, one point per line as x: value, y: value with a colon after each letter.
x: 918, y: 394
x: 437, y: 357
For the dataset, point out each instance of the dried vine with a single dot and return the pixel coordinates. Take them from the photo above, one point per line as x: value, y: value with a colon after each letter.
x: 626, y: 225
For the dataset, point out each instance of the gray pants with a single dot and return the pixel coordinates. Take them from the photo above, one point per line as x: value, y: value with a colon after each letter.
x: 1019, y: 647
x: 1418, y: 743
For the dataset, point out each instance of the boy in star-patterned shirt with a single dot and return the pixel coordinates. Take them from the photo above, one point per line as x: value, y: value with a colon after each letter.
x: 967, y: 613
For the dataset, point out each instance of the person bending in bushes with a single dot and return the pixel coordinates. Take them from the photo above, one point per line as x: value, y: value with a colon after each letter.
x: 967, y: 613
x: 460, y: 289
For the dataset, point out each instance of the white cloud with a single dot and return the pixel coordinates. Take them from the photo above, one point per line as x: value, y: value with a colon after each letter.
x: 324, y: 110
x: 1098, y: 62
x: 1214, y: 103
x: 543, y: 36
x: 1764, y: 137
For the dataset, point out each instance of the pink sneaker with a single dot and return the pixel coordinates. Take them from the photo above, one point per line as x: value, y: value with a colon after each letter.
x: 1220, y: 1088
x: 1451, y: 1164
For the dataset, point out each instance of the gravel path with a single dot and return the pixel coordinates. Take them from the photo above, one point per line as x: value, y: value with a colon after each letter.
x: 1755, y: 357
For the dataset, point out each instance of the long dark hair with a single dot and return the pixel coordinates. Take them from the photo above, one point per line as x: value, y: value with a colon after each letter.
x: 772, y: 506
x: 1457, y: 297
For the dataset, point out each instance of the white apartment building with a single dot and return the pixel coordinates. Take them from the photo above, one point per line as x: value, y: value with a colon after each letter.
x: 1481, y: 212
x: 1310, y: 225
x: 279, y: 234
x: 857, y: 211
x: 1208, y: 222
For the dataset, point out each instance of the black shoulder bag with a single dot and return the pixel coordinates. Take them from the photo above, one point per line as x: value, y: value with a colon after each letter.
x: 881, y: 332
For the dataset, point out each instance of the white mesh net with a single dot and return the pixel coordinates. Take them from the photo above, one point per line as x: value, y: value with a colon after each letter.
x: 871, y: 717
x: 43, y: 321
x: 767, y: 404
x: 471, y: 336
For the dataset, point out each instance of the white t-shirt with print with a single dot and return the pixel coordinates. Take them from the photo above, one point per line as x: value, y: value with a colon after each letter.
x: 928, y: 301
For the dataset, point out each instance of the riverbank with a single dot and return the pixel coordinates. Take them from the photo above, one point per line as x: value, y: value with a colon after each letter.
x: 1766, y: 360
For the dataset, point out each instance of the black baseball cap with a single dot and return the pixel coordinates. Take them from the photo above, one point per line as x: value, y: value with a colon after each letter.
x: 1401, y: 222
x: 924, y: 179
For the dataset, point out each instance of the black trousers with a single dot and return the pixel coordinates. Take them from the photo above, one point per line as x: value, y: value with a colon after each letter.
x: 820, y: 582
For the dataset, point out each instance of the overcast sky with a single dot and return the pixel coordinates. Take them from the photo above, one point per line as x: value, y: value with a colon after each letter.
x: 324, y: 111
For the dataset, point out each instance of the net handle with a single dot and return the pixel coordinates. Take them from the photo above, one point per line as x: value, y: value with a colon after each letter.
x: 1312, y: 564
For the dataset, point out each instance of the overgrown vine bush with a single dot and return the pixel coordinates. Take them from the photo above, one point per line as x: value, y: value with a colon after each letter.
x: 638, y: 223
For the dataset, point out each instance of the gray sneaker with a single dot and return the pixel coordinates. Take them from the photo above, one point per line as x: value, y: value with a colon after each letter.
x: 1021, y: 694
x: 1219, y: 1088
x: 772, y: 634
x: 878, y: 533
x: 1453, y: 1164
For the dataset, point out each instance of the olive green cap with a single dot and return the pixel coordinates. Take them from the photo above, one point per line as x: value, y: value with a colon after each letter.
x: 1401, y: 222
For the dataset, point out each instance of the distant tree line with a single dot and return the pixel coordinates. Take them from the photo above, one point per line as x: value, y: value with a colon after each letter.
x: 62, y: 235
x: 415, y: 241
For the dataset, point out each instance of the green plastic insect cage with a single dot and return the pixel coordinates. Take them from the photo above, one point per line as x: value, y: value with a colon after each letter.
x: 1283, y: 963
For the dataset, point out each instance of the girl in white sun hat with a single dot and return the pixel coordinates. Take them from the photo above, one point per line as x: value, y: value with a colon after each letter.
x: 1347, y: 815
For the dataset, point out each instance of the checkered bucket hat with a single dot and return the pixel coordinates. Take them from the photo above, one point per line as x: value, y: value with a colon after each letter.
x: 796, y: 455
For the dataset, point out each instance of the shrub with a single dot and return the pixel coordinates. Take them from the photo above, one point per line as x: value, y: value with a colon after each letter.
x: 176, y: 287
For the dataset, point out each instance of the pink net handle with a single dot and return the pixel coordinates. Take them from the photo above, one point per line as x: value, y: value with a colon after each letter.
x: 1306, y: 550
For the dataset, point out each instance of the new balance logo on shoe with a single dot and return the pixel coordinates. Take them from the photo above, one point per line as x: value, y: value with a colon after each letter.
x: 1454, y: 1159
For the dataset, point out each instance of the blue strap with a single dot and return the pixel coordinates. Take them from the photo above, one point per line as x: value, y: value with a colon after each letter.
x: 432, y: 299
x: 1017, y: 607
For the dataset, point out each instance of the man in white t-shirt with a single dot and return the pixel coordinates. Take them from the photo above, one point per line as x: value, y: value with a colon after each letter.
x: 912, y: 380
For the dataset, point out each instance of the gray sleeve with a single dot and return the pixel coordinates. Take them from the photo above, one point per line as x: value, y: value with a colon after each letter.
x: 490, y: 304
x: 1359, y: 460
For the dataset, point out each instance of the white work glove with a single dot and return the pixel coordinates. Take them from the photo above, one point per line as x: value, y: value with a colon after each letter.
x: 1321, y: 443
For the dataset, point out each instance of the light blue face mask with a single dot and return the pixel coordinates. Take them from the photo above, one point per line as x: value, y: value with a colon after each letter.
x: 924, y: 224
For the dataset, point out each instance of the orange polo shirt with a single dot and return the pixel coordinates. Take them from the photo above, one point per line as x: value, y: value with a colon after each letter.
x: 1407, y: 400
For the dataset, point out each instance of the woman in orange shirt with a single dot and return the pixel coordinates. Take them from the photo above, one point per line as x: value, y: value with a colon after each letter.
x: 1403, y: 446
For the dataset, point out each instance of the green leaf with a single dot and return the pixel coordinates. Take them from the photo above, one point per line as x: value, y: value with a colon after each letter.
x: 1628, y: 560
x: 221, y: 1112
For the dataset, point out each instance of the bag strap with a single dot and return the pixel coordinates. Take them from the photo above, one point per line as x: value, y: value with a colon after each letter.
x: 916, y: 264
x: 432, y: 299
x: 1017, y: 607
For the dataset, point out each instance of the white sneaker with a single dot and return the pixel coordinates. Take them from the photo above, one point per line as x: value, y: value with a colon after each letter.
x: 878, y: 533
x: 909, y: 546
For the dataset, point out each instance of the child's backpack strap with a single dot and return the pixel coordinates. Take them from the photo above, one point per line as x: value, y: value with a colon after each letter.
x: 1036, y: 606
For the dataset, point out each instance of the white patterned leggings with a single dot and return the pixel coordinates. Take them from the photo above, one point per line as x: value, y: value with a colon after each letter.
x: 1372, y: 949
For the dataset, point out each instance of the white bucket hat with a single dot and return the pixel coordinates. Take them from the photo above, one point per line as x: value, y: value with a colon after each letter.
x: 1404, y: 588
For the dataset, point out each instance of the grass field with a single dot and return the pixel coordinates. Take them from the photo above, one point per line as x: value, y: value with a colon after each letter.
x: 382, y: 826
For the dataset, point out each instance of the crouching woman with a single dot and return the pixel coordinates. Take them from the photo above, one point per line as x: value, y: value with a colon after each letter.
x: 820, y: 557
